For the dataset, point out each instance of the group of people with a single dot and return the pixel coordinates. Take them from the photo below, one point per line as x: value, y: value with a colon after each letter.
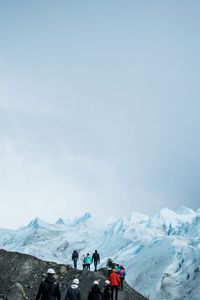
x: 116, y: 275
x: 49, y: 288
x: 97, y: 294
x: 86, y: 260
x: 119, y: 270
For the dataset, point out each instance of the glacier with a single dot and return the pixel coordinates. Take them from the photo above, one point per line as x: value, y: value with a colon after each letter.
x: 161, y: 253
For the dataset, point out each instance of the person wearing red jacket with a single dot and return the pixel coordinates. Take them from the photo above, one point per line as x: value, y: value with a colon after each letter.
x: 114, y: 283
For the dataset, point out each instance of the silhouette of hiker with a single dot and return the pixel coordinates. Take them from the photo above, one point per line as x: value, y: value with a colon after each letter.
x: 109, y: 266
x: 49, y: 288
x: 73, y: 293
x: 95, y: 293
x: 107, y: 291
x: 96, y: 259
x: 83, y: 261
x: 75, y: 258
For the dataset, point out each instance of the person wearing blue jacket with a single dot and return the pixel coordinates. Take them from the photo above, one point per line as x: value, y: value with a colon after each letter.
x: 88, y: 261
x: 122, y: 274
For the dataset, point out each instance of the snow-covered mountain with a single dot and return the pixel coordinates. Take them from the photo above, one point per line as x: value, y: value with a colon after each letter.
x: 161, y: 254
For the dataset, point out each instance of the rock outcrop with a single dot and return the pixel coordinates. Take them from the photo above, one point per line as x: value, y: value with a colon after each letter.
x: 21, y: 276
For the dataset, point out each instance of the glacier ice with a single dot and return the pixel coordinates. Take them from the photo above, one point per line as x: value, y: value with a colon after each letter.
x: 161, y: 253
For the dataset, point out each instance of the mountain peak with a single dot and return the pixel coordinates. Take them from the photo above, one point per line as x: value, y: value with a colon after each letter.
x: 183, y: 210
x: 34, y: 223
x: 82, y: 219
x: 138, y: 217
x: 37, y: 222
x: 166, y: 210
x: 60, y: 221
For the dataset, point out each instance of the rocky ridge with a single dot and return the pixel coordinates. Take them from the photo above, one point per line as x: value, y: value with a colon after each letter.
x: 21, y: 276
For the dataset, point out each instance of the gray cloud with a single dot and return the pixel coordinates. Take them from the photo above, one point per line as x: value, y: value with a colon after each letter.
x: 95, y: 115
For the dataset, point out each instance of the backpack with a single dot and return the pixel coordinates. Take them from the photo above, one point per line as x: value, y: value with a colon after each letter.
x: 121, y: 272
x: 75, y: 254
x: 110, y: 263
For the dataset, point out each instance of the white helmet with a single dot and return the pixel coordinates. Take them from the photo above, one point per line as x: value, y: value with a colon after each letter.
x: 96, y: 282
x: 75, y: 281
x: 51, y: 271
x: 107, y: 281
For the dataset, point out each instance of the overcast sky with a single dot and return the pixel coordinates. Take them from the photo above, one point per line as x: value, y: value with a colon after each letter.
x: 99, y: 108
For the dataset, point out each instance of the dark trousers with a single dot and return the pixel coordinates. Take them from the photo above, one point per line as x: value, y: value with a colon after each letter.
x: 95, y: 265
x: 87, y: 267
x: 121, y: 283
x: 116, y: 292
x: 75, y: 264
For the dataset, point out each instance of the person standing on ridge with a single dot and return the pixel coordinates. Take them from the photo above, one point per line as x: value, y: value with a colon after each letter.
x: 73, y: 293
x: 114, y: 283
x: 109, y: 265
x: 96, y: 259
x: 49, y: 288
x: 88, y: 261
x: 75, y: 258
x: 107, y: 291
x: 122, y: 274
x: 95, y: 293
x: 83, y: 261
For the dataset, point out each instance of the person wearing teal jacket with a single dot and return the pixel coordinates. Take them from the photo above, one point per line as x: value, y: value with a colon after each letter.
x: 88, y: 261
x: 117, y: 268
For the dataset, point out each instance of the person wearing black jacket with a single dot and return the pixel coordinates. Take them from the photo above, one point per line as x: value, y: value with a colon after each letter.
x: 107, y: 293
x: 49, y: 288
x: 96, y: 259
x: 95, y: 293
x: 73, y: 293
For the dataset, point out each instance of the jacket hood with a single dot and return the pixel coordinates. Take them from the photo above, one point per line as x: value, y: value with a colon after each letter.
x: 74, y: 286
x: 95, y: 289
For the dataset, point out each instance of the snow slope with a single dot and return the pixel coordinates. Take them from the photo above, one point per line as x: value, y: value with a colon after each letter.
x: 161, y: 254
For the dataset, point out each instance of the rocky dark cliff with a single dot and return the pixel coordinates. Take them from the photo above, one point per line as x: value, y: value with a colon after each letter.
x: 21, y: 275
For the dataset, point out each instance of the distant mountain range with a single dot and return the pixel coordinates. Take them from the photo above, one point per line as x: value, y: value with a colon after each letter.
x: 161, y: 253
x: 22, y: 281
